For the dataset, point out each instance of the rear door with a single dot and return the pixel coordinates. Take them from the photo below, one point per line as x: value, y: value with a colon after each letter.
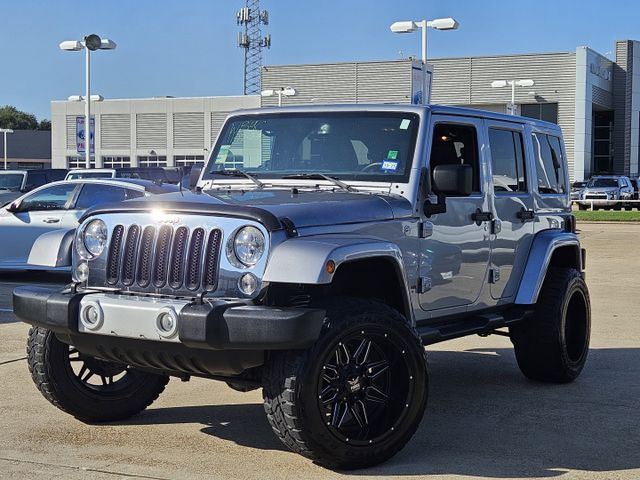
x: 512, y: 229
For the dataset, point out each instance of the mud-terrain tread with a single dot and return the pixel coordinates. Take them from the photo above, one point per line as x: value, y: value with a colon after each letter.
x: 536, y: 341
x: 39, y: 341
x: 284, y: 368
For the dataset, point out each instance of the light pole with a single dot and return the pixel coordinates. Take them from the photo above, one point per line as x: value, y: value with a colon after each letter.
x: 89, y: 43
x: 411, y: 26
x: 5, y: 131
x: 280, y: 92
x: 511, y: 109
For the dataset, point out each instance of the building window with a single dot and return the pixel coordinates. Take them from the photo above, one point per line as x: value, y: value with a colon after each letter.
x: 187, y: 160
x: 113, y: 161
x: 542, y: 111
x: 152, y: 161
x: 74, y: 161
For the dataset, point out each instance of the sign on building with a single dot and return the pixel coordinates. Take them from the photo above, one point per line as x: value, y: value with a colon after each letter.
x: 80, y: 135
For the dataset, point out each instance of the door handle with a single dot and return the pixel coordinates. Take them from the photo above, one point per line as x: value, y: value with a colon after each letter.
x: 525, y: 215
x: 51, y: 220
x: 479, y: 216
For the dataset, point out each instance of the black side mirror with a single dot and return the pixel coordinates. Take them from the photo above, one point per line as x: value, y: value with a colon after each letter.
x: 194, y: 176
x: 13, y: 207
x: 452, y: 180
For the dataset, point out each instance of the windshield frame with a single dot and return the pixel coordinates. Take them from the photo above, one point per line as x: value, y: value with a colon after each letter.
x: 208, y: 174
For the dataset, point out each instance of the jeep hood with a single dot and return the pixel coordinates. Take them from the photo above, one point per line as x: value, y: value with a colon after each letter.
x: 269, y: 206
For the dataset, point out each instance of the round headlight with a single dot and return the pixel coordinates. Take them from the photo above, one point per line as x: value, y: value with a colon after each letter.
x: 94, y: 237
x: 248, y: 245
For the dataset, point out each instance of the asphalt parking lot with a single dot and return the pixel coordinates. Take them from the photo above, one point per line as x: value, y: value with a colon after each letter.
x: 484, y: 419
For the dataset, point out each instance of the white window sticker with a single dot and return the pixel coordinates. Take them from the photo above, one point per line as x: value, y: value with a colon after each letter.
x: 389, y: 165
x: 404, y: 124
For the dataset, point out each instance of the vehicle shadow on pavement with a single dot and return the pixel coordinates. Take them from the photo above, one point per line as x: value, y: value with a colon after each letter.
x: 485, y: 419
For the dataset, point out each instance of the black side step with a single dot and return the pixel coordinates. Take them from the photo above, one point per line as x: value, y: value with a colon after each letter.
x: 482, y: 324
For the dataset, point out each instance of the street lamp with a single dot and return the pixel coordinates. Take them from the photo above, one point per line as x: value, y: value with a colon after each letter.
x: 5, y: 131
x: 280, y: 92
x: 90, y: 43
x: 437, y: 24
x: 513, y: 84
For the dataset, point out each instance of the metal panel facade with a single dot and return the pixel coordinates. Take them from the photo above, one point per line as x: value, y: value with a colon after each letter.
x: 188, y: 130
x: 115, y: 131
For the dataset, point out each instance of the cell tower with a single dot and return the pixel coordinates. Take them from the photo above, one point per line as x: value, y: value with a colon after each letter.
x: 252, y: 41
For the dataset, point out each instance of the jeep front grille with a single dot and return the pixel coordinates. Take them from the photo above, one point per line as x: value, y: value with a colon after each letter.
x: 166, y: 256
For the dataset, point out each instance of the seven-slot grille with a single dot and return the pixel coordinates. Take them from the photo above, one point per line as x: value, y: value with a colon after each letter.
x: 164, y: 257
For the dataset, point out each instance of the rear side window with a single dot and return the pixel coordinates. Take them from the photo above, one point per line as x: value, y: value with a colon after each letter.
x: 507, y: 161
x: 455, y: 144
x: 95, y: 194
x: 550, y: 164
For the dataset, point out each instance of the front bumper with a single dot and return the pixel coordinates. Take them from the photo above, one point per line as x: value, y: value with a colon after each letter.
x: 210, y: 325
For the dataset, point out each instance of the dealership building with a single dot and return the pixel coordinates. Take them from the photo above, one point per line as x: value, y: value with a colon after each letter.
x: 595, y: 100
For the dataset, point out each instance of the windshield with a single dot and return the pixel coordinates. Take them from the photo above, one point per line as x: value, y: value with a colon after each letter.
x: 603, y: 182
x: 365, y: 146
x: 11, y: 181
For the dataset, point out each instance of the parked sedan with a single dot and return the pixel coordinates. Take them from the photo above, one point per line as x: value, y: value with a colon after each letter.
x: 576, y: 189
x: 58, y: 206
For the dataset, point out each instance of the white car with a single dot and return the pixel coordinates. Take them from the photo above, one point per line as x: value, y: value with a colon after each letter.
x: 59, y: 206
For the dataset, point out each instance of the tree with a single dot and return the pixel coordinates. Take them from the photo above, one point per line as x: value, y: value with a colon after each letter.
x: 11, y: 117
x: 45, y: 124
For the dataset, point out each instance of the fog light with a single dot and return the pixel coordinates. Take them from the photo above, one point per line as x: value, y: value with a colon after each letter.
x: 248, y: 283
x: 81, y: 273
x: 167, y: 322
x: 91, y: 316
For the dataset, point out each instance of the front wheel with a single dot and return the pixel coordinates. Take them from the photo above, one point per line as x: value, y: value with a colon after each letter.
x: 553, y: 345
x: 356, y: 397
x: 90, y: 389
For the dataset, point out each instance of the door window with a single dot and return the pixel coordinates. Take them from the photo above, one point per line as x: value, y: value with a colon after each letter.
x: 549, y: 164
x: 52, y: 198
x: 95, y: 194
x: 455, y: 144
x: 507, y: 161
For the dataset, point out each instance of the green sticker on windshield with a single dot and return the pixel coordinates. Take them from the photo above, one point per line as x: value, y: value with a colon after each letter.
x: 392, y: 155
x: 222, y: 154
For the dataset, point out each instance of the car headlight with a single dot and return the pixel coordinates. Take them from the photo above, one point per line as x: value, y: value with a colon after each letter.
x: 246, y: 247
x: 92, y: 239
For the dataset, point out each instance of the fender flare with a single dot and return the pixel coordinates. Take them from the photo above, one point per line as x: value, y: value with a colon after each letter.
x: 543, y: 247
x: 304, y: 259
x: 53, y: 249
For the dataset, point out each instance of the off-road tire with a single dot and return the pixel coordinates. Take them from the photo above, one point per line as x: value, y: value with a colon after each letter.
x: 292, y: 383
x: 51, y: 371
x: 554, y: 344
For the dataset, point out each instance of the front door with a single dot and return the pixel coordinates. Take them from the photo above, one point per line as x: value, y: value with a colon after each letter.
x: 513, y: 206
x: 455, y: 255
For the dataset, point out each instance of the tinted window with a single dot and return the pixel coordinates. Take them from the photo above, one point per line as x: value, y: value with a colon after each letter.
x: 35, y: 180
x: 549, y: 164
x: 52, y: 198
x: 603, y: 182
x: 94, y: 194
x: 456, y: 145
x: 507, y: 161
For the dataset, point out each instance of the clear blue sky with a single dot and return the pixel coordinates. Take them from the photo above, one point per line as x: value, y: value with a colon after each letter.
x: 188, y: 47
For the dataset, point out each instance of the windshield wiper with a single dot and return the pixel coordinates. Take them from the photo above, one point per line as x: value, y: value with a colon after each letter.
x: 239, y: 173
x: 321, y: 176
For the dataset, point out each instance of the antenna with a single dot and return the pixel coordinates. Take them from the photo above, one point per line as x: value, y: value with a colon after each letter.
x: 252, y: 41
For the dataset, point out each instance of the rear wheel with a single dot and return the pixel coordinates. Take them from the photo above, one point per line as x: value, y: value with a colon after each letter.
x: 86, y: 387
x: 356, y: 397
x: 554, y: 344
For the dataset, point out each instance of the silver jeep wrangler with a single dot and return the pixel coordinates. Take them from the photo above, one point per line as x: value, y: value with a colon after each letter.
x: 323, y: 247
